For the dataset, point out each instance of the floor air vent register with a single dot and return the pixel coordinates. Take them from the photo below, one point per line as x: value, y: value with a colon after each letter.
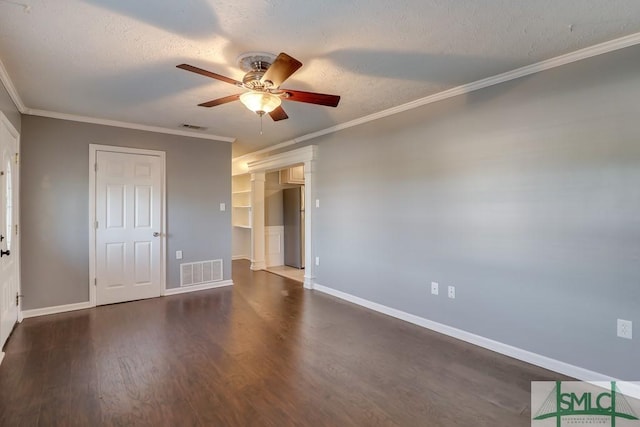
x: 197, y: 273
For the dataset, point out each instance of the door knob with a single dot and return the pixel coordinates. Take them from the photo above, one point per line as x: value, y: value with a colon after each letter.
x: 156, y: 234
x: 3, y: 253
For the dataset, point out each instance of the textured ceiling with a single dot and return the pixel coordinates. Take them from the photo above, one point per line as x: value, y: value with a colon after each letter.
x: 115, y: 59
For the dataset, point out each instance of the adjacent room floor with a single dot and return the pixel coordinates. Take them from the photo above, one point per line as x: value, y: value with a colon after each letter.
x: 264, y: 352
x: 292, y: 273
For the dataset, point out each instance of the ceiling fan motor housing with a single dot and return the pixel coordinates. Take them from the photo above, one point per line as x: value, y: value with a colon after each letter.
x: 255, y: 64
x: 252, y: 81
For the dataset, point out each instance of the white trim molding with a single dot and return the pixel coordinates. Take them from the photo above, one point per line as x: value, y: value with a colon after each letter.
x: 237, y: 257
x: 126, y: 125
x: 88, y: 304
x: 578, y: 55
x: 200, y: 287
x: 1, y: 357
x: 56, y: 309
x: 505, y: 349
x: 11, y: 89
x: 282, y: 160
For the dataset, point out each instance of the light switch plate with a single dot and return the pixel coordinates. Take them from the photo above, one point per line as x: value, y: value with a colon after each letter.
x: 223, y: 207
x: 317, y: 203
x: 178, y: 254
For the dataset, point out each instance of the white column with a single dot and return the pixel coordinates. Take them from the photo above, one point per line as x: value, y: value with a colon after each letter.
x: 309, y: 264
x: 257, y: 221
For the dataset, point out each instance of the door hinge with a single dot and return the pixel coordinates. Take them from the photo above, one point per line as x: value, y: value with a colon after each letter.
x: 95, y: 167
x: 17, y: 158
x: 95, y: 281
x: 16, y: 229
x: 97, y: 225
x: 18, y: 296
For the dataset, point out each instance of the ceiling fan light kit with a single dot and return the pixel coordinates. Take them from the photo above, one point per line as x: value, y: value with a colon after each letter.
x: 260, y: 102
x: 264, y: 75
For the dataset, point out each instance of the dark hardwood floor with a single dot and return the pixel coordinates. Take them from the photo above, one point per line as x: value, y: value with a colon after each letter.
x: 264, y: 352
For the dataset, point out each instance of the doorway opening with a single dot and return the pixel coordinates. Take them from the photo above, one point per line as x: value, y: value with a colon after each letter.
x: 298, y: 173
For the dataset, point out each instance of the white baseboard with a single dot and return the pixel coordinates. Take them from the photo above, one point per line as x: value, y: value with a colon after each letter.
x: 84, y: 305
x: 1, y: 357
x: 505, y: 349
x: 258, y: 265
x: 237, y: 257
x: 309, y: 282
x: 200, y: 287
x: 56, y: 309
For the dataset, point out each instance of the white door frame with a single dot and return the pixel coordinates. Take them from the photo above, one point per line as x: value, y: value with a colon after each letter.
x: 93, y: 149
x: 307, y: 156
x: 16, y: 190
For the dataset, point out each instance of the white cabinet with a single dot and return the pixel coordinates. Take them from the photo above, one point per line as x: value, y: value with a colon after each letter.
x: 292, y: 175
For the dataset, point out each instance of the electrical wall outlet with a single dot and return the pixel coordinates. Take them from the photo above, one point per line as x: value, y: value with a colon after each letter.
x: 317, y: 203
x: 452, y: 292
x: 223, y: 207
x: 317, y: 260
x: 625, y: 329
x: 434, y: 288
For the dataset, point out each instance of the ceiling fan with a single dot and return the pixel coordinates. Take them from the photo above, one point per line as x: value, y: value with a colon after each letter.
x: 264, y: 75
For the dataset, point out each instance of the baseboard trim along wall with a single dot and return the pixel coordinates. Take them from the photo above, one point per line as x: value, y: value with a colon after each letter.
x: 237, y: 257
x: 56, y: 309
x: 84, y: 305
x: 200, y: 287
x: 505, y: 349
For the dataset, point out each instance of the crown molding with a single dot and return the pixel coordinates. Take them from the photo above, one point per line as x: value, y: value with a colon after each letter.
x: 588, y: 52
x: 578, y: 55
x: 288, y: 158
x: 13, y: 93
x: 126, y: 125
x: 15, y: 97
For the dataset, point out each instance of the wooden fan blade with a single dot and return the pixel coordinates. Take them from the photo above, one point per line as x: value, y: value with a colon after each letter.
x: 220, y: 101
x: 312, y: 98
x: 278, y: 114
x: 281, y: 69
x: 206, y: 73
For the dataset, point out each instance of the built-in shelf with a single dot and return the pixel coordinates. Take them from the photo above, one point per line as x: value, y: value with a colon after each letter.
x: 241, y: 202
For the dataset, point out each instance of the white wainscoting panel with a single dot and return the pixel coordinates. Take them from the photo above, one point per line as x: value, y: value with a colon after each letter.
x: 274, y: 242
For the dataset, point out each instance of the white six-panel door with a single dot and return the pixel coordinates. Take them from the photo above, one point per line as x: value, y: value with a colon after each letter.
x: 9, y: 265
x: 128, y: 212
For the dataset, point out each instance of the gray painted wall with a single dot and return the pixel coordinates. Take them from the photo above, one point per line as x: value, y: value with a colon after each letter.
x: 525, y: 196
x: 55, y: 204
x: 8, y: 108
